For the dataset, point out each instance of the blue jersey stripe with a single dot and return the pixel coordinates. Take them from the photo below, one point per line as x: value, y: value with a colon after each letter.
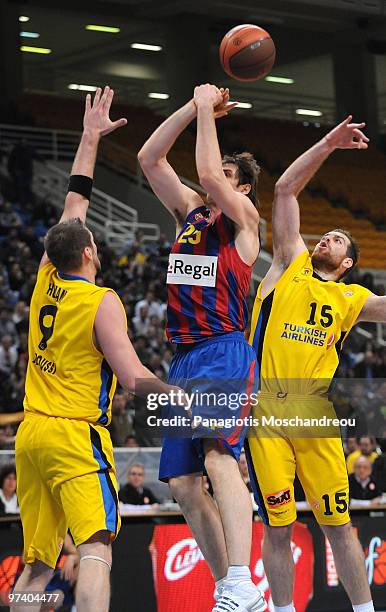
x: 108, y: 503
x: 209, y: 294
x: 104, y: 397
x: 233, y: 304
x: 256, y: 337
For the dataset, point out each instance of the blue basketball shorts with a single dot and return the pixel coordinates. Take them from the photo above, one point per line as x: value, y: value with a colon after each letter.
x: 220, y: 375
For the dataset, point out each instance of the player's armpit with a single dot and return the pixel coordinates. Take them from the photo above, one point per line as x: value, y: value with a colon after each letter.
x: 374, y: 310
x: 110, y: 329
x: 75, y: 206
x: 165, y: 183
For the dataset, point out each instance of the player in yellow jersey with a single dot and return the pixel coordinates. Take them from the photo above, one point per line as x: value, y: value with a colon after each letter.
x: 301, y: 317
x: 78, y: 345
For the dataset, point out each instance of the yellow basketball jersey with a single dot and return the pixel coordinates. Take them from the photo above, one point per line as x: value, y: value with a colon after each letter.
x: 67, y: 376
x: 298, y: 329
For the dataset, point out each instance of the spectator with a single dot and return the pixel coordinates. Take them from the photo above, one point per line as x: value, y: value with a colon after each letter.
x: 361, y: 484
x: 8, y: 355
x: 134, y: 492
x: 379, y: 466
x: 122, y: 421
x: 7, y: 325
x: 351, y: 445
x: 131, y: 442
x: 366, y: 448
x: 8, y: 218
x: 141, y: 322
x: 20, y: 317
x: 20, y: 168
x: 154, y: 307
x: 8, y: 498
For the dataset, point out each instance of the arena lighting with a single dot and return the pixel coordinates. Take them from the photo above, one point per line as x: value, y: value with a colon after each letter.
x: 308, y: 112
x: 103, y: 28
x: 242, y: 104
x: 40, y: 50
x: 158, y: 96
x: 144, y: 47
x: 278, y: 79
x: 30, y: 34
x: 82, y: 87
x: 23, y: 18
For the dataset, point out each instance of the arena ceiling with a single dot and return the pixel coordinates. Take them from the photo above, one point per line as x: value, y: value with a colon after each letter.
x: 305, y: 33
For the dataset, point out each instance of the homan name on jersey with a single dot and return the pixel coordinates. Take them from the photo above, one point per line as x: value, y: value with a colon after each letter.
x: 304, y: 333
x: 57, y: 293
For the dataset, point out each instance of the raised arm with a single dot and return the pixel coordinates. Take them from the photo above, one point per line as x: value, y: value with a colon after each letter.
x: 236, y: 205
x: 287, y: 241
x: 96, y: 123
x: 374, y: 310
x: 174, y: 195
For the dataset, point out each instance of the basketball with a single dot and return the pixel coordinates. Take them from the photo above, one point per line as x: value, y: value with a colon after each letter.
x: 247, y: 53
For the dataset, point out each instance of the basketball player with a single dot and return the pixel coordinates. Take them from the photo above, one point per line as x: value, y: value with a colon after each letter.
x: 206, y: 321
x: 302, y: 315
x: 77, y: 340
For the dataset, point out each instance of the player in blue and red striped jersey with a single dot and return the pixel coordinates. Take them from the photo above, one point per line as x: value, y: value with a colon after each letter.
x: 208, y: 279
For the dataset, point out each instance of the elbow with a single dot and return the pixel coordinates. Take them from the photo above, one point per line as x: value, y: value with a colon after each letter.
x: 143, y: 157
x: 133, y: 381
x: 147, y: 161
x: 208, y: 180
x: 128, y: 383
x: 283, y: 186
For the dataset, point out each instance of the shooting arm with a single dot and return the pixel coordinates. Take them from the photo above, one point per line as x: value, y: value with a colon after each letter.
x: 164, y: 181
x: 235, y: 205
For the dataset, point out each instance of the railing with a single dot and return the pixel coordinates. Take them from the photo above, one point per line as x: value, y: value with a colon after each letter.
x: 117, y: 221
x: 49, y: 144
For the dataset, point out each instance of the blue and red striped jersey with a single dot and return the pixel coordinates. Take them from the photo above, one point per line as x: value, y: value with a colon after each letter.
x: 207, y: 281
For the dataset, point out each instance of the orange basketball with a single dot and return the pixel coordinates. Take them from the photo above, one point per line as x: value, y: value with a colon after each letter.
x: 247, y: 53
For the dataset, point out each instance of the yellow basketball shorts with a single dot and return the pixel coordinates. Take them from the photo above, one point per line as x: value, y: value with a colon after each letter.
x: 274, y: 458
x: 65, y: 480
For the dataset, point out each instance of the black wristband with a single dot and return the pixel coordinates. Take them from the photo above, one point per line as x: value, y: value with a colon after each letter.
x: 81, y: 184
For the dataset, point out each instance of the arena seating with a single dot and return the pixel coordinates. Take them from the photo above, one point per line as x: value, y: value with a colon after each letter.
x: 347, y: 192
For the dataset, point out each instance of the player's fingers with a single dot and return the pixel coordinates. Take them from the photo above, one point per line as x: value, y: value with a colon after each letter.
x: 108, y: 101
x: 88, y: 103
x: 347, y: 120
x: 119, y: 123
x: 104, y: 96
x: 231, y: 105
x: 361, y: 135
x: 97, y: 96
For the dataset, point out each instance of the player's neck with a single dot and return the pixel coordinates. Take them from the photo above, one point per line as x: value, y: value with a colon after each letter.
x: 326, y: 276
x: 85, y: 273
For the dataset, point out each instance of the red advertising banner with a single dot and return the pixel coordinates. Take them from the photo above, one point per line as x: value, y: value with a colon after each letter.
x: 183, y: 580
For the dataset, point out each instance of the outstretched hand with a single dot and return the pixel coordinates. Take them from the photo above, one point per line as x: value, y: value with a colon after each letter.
x: 96, y: 115
x: 348, y: 135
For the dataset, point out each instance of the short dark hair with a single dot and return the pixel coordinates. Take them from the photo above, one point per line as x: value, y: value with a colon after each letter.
x: 248, y: 172
x: 6, y: 471
x: 352, y: 250
x: 65, y: 243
